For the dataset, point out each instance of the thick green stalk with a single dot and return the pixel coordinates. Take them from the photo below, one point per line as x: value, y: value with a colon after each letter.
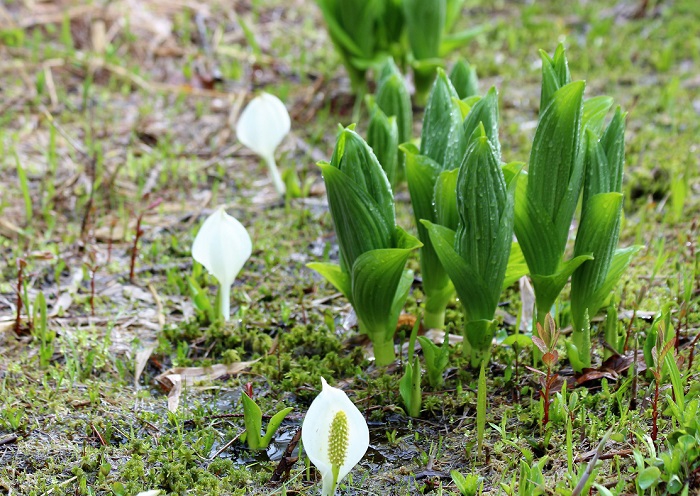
x: 382, y: 345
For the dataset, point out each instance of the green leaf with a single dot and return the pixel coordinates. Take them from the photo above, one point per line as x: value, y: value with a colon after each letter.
x: 441, y: 122
x: 376, y: 279
x: 340, y: 37
x: 480, y: 334
x: 453, y: 41
x: 485, y: 209
x: 409, y: 388
x: 597, y: 234
x: 573, y: 353
x: 334, y: 275
x: 521, y: 340
x: 555, y: 74
x: 475, y: 295
x: 201, y: 299
x: 594, y: 111
x: 421, y: 175
x: 383, y: 138
x: 394, y: 100
x: 353, y: 156
x: 484, y: 112
x: 613, y: 142
x: 359, y: 222
x: 464, y: 79
x: 358, y: 18
x: 252, y: 418
x: 425, y: 23
x: 648, y: 477
x: 24, y: 187
x: 445, y: 198
x: 556, y: 166
x: 485, y: 206
x: 436, y: 359
x: 274, y: 424
x: 676, y: 380
x: 453, y: 11
x: 517, y: 267
x: 548, y: 287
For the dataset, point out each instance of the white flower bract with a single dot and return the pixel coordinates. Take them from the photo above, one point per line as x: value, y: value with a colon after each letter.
x: 222, y: 246
x: 262, y: 126
x: 319, y: 442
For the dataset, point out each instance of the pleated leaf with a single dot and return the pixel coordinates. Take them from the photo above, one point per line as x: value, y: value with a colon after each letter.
x: 358, y: 18
x: 484, y: 111
x: 598, y: 234
x: 464, y: 79
x: 556, y: 169
x: 425, y: 24
x: 441, y: 121
x: 613, y: 142
x: 548, y: 287
x: 445, y: 199
x: 380, y: 286
x: 555, y: 75
x: 383, y: 138
x: 354, y: 157
x: 422, y: 175
x: 334, y: 274
x: 475, y: 295
x: 393, y: 98
x: 594, y: 111
x: 360, y: 225
x: 485, y: 209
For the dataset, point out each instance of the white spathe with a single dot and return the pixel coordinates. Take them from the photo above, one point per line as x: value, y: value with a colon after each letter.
x: 316, y: 435
x: 262, y: 126
x: 222, y: 246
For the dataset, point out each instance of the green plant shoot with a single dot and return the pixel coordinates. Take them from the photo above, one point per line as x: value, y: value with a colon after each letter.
x: 409, y: 387
x: 252, y: 417
x: 547, y: 195
x: 476, y: 255
x: 598, y: 233
x: 383, y: 137
x: 436, y: 359
x: 464, y: 79
x: 373, y: 249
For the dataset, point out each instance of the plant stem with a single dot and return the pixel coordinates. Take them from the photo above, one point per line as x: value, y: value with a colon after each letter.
x: 275, y: 176
x: 384, y: 353
x: 433, y: 318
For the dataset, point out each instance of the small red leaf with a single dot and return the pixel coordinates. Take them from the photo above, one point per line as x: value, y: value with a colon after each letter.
x: 540, y: 344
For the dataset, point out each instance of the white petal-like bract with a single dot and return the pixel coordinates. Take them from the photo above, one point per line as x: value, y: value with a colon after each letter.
x: 222, y: 246
x: 263, y: 124
x: 320, y: 442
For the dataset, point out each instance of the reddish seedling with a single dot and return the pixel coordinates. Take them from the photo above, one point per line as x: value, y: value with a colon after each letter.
x: 21, y: 264
x: 138, y: 234
x: 546, y: 342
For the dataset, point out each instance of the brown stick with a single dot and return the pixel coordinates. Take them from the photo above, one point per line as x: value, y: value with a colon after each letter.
x: 287, y: 461
x: 21, y: 264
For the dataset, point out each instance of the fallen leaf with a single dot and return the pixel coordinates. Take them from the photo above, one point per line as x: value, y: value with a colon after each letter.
x: 194, y: 375
x: 140, y: 363
x: 175, y: 391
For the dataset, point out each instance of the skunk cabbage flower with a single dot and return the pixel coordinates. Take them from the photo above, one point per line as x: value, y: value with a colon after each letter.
x: 222, y: 246
x: 262, y: 126
x: 335, y: 436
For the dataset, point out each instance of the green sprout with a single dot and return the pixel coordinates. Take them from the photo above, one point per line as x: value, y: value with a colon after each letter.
x: 476, y: 255
x: 373, y: 249
x: 252, y: 417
